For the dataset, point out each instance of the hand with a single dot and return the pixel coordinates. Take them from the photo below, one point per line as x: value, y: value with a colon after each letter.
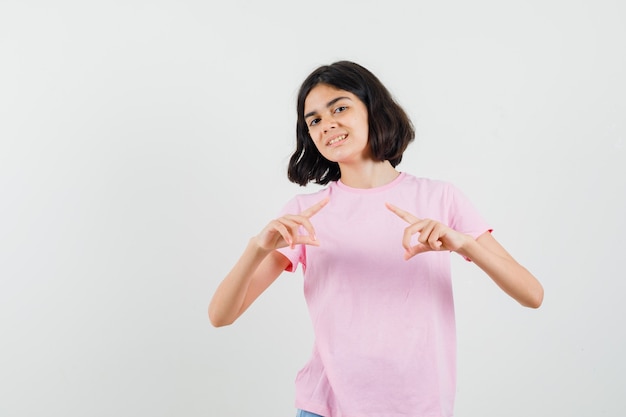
x: 284, y: 231
x: 433, y: 235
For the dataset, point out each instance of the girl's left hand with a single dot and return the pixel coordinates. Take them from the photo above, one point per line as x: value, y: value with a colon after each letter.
x: 433, y: 235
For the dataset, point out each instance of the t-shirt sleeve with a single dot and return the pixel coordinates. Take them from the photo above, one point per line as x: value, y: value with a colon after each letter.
x: 463, y: 216
x: 295, y: 255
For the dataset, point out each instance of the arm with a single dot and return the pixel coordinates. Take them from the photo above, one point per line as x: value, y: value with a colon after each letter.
x: 253, y: 273
x: 485, y: 252
x: 510, y: 276
x: 260, y: 265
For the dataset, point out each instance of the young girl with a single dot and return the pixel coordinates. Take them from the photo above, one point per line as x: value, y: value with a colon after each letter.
x: 383, y: 317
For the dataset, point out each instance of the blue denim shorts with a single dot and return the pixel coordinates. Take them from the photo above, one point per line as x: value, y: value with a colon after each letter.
x: 302, y: 413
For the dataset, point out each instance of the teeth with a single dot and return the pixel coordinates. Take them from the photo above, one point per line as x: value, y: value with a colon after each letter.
x: 337, y: 139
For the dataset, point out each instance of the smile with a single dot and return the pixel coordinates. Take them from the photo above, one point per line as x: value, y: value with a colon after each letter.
x: 336, y: 140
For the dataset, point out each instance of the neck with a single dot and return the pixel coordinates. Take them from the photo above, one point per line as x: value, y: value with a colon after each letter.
x: 369, y: 175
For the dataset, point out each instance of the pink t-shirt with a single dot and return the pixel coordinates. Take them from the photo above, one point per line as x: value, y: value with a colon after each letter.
x: 385, y: 343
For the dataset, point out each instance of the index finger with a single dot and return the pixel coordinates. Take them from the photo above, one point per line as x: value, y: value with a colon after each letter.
x: 404, y: 215
x: 311, y: 211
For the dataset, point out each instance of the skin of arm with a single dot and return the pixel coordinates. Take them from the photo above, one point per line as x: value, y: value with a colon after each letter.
x: 515, y: 280
x: 485, y: 252
x: 260, y: 264
x: 253, y: 273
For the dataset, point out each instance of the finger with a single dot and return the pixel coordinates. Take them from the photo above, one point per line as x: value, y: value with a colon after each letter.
x: 292, y: 227
x: 416, y: 250
x: 404, y: 215
x: 315, y: 208
x: 423, y: 227
x: 283, y: 231
x: 426, y: 232
x: 408, y: 236
x: 303, y: 217
x: 410, y: 231
x: 301, y: 221
x: 307, y: 240
x: 434, y: 239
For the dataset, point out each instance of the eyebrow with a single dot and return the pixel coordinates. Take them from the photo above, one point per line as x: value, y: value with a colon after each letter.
x: 330, y: 103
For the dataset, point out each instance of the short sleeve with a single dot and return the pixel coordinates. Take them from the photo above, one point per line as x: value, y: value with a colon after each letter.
x: 295, y: 255
x: 463, y: 216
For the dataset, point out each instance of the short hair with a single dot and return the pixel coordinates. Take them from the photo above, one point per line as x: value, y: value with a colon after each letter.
x: 390, y: 129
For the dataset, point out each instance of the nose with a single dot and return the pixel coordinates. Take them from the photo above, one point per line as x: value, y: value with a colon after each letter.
x: 328, y: 123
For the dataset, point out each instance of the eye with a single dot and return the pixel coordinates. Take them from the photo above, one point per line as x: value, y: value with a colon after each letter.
x: 313, y: 122
x: 340, y: 109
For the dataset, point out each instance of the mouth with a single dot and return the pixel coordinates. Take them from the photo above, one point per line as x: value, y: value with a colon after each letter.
x: 336, y: 140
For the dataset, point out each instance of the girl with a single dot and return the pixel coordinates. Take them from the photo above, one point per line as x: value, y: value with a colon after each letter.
x: 383, y: 318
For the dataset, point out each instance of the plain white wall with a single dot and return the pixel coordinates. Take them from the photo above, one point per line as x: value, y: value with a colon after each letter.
x: 143, y: 143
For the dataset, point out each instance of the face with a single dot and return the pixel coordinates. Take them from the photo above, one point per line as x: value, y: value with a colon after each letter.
x: 337, y: 122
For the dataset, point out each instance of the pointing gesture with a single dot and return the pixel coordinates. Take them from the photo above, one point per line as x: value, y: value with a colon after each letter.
x: 284, y: 231
x: 433, y: 235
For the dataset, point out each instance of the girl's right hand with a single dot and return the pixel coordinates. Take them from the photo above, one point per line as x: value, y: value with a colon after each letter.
x: 285, y: 231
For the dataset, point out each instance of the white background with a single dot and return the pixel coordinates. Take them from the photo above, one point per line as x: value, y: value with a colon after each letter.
x: 143, y: 143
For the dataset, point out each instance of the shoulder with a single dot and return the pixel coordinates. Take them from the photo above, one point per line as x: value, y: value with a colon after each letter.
x: 301, y: 201
x: 425, y: 184
x: 435, y: 192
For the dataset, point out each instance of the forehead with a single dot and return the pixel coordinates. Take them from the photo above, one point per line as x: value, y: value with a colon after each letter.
x: 320, y: 95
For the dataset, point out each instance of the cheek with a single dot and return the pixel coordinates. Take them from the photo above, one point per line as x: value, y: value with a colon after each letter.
x: 316, y: 141
x: 315, y: 136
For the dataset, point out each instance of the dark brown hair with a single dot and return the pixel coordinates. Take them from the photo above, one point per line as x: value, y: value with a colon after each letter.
x: 390, y: 129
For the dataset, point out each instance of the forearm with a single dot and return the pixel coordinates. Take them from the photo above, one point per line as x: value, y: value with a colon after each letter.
x: 507, y: 273
x: 229, y: 297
